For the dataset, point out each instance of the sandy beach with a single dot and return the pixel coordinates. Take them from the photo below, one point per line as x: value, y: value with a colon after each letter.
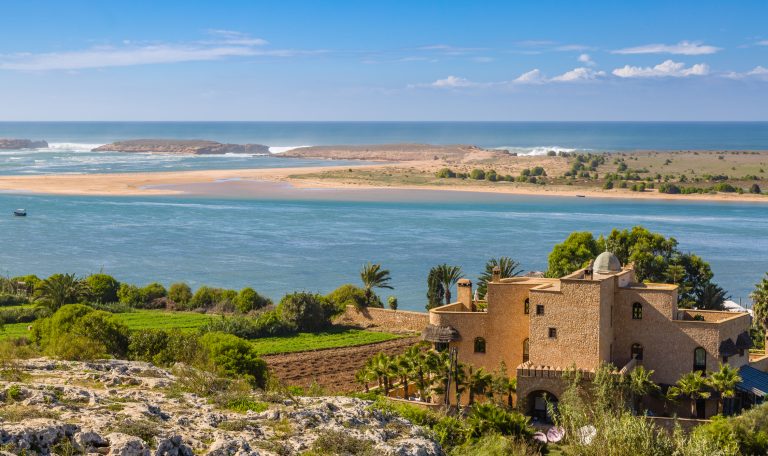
x: 225, y: 182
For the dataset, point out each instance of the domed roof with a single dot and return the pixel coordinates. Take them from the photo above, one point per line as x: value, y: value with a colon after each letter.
x: 606, y: 263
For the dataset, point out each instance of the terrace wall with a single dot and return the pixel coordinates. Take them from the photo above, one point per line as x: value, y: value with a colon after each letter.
x: 384, y: 319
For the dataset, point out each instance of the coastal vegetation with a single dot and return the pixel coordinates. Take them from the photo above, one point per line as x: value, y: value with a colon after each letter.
x: 440, y: 280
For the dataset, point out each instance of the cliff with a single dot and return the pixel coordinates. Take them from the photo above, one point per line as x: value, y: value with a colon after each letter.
x: 136, y: 409
x: 186, y: 147
x: 7, y: 143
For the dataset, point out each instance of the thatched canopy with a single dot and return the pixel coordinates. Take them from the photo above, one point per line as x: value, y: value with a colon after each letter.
x: 727, y: 348
x: 440, y: 334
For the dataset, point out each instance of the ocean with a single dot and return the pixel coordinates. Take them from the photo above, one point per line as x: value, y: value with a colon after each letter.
x: 317, y: 240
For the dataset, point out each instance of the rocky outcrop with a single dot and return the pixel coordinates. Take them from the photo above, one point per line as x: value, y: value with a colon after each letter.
x: 124, y: 408
x: 183, y: 147
x: 6, y: 144
x: 393, y: 152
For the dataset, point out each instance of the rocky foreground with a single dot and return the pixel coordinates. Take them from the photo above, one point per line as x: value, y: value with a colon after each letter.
x: 183, y: 147
x: 15, y: 144
x: 127, y: 408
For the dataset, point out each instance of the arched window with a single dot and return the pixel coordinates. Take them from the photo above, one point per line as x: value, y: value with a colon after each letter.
x: 525, y: 350
x: 700, y: 360
x: 527, y: 306
x: 637, y: 311
x: 637, y: 352
x: 479, y: 345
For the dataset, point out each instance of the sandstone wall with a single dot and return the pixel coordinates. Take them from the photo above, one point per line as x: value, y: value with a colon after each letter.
x: 384, y: 319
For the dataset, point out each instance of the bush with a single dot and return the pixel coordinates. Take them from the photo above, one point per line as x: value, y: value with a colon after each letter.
x: 23, y: 315
x: 445, y: 173
x: 79, y: 325
x: 392, y: 302
x: 234, y: 357
x: 671, y: 189
x: 754, y: 188
x: 306, y: 311
x: 164, y: 348
x: 331, y: 442
x: 129, y: 295
x: 248, y: 300
x: 486, y: 419
x: 349, y: 295
x: 31, y: 282
x: 496, y: 445
x: 491, y: 176
x: 102, y: 288
x: 477, y: 174
x: 205, y: 298
x: 152, y: 292
x: 180, y: 293
x: 7, y: 300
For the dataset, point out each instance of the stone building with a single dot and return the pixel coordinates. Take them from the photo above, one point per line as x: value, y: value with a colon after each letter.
x: 542, y: 327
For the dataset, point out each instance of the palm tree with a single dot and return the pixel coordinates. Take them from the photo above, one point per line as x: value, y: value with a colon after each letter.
x: 724, y: 381
x: 459, y: 379
x: 690, y: 385
x: 760, y: 299
x: 478, y: 383
x: 404, y: 366
x: 449, y: 275
x: 374, y: 277
x: 639, y: 384
x: 435, y: 290
x: 508, y: 266
x: 712, y: 297
x: 60, y: 289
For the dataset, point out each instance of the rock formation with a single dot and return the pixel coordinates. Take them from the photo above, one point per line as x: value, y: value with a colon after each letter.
x: 185, y: 147
x: 128, y: 408
x: 393, y: 152
x: 7, y: 143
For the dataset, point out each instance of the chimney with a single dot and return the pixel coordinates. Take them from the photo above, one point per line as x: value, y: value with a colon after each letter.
x: 496, y: 277
x: 465, y: 292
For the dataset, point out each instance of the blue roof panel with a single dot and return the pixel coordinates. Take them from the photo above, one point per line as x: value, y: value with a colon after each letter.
x: 753, y: 381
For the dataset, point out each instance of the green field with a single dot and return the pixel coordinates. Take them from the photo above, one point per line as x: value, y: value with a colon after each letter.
x: 158, y: 319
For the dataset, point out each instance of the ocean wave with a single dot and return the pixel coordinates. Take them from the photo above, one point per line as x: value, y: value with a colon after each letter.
x: 73, y: 147
x: 537, y: 150
x: 281, y: 149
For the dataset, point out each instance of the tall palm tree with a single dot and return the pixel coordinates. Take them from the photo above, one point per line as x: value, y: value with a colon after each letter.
x: 374, y: 277
x: 639, y: 384
x: 712, y: 297
x: 724, y: 381
x: 760, y: 299
x: 690, y: 385
x: 435, y: 290
x: 478, y: 383
x: 508, y: 266
x: 60, y: 289
x: 449, y: 275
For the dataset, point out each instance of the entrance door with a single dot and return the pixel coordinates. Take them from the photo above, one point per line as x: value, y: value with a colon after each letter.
x: 701, y: 409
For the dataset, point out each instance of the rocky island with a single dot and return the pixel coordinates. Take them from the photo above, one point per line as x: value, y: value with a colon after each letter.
x: 13, y: 144
x: 183, y: 147
x: 396, y: 152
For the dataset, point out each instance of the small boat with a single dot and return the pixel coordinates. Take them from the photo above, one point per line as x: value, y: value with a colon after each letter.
x: 20, y: 212
x: 581, y: 196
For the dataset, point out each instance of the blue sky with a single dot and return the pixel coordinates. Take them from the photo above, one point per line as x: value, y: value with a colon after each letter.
x: 387, y: 60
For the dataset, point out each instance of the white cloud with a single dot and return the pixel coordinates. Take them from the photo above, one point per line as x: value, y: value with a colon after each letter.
x: 531, y: 77
x: 667, y: 68
x: 758, y: 72
x: 586, y: 59
x: 573, y: 47
x: 453, y: 82
x: 762, y: 43
x: 578, y: 74
x: 225, y: 44
x: 681, y: 48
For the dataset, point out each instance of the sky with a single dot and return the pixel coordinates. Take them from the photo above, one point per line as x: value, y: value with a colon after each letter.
x: 384, y: 60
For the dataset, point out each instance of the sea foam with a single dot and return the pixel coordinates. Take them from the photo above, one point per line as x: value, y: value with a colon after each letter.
x: 536, y: 150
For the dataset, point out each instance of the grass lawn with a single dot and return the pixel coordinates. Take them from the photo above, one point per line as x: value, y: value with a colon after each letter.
x: 159, y: 319
x: 341, y: 337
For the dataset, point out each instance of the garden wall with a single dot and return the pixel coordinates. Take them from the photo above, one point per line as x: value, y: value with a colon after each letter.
x: 384, y: 319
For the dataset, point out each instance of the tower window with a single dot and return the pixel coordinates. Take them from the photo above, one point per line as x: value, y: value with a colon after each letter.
x: 526, y: 348
x: 539, y: 309
x: 553, y: 333
x: 527, y: 306
x: 700, y: 360
x: 479, y: 345
x: 637, y: 311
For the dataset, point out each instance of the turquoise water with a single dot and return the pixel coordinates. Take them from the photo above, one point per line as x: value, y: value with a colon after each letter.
x: 312, y: 243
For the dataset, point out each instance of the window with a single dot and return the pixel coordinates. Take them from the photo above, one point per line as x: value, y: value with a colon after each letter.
x: 479, y: 345
x: 700, y: 360
x: 539, y: 309
x: 441, y: 346
x: 637, y: 311
x: 527, y: 306
x: 525, y: 350
x: 553, y: 333
x: 637, y: 352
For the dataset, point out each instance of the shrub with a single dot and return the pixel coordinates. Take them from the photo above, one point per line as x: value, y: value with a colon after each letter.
x: 7, y: 300
x: 486, y: 419
x: 724, y: 187
x: 671, y: 189
x: 30, y: 283
x: 152, y: 292
x: 608, y: 185
x: 445, y: 173
x: 180, y: 293
x: 497, y: 445
x: 477, y: 174
x: 331, y: 442
x: 102, y: 287
x: 392, y: 302
x: 491, y: 176
x: 164, y: 348
x: 306, y: 311
x: 234, y: 357
x: 348, y: 295
x: 129, y: 295
x: 754, y: 188
x: 248, y: 299
x: 205, y: 298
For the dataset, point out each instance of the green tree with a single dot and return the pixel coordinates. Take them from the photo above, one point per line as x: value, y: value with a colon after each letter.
x: 755, y: 189
x: 102, y: 287
x: 639, y: 384
x: 129, y: 295
x: 435, y: 290
x: 760, y: 301
x: 690, y: 385
x: 372, y: 277
x: 712, y: 297
x: 60, y: 289
x: 350, y: 295
x: 477, y: 174
x: 205, y: 297
x: 574, y: 253
x: 392, y: 302
x: 479, y: 383
x: 151, y: 292
x: 234, y: 357
x: 180, y: 293
x: 306, y: 311
x: 508, y: 266
x: 248, y: 299
x: 724, y: 381
x: 449, y: 275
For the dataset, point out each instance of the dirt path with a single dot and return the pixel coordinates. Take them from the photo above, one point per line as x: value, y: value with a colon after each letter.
x: 333, y: 369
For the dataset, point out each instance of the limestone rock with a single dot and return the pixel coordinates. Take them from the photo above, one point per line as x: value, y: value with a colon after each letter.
x: 7, y: 143
x: 126, y: 445
x: 184, y: 147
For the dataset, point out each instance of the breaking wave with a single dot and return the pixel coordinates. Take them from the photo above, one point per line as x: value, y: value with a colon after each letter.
x: 537, y: 150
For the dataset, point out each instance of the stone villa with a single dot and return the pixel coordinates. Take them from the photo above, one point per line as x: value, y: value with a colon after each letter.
x: 541, y: 327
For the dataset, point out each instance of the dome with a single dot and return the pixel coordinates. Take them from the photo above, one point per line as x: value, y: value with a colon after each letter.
x: 606, y: 263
